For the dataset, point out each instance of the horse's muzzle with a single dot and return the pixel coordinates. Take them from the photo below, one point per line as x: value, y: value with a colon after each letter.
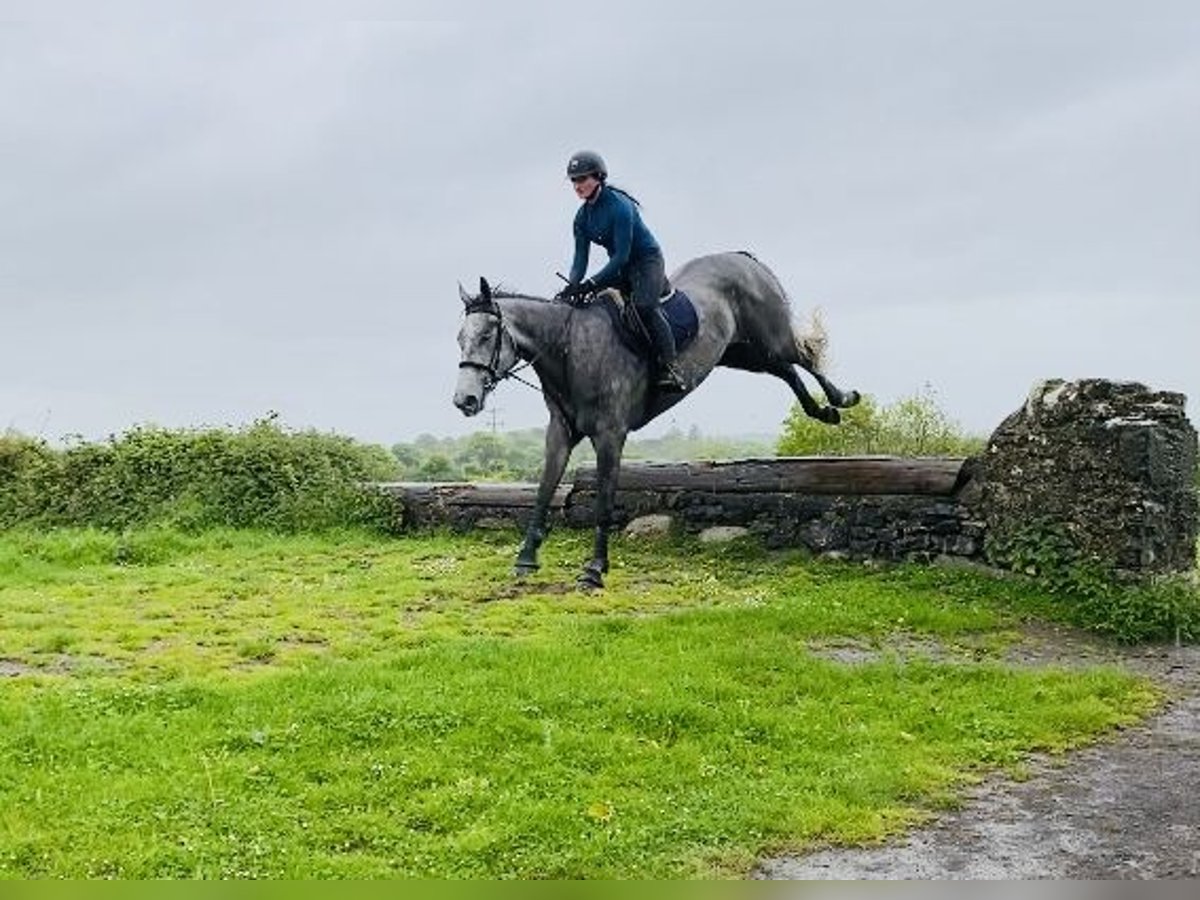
x: 469, y: 404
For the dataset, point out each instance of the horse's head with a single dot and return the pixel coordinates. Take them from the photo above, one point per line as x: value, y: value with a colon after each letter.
x: 488, y: 352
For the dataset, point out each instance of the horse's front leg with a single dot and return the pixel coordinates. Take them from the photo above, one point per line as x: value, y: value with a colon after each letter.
x: 608, y: 463
x: 559, y: 444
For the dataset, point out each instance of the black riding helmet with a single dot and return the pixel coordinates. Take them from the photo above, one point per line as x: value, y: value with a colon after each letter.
x: 585, y: 162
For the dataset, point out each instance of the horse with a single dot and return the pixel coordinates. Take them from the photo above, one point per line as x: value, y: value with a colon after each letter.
x: 596, y: 386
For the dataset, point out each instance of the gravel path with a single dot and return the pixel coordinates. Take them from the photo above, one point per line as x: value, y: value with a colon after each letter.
x: 1123, y: 809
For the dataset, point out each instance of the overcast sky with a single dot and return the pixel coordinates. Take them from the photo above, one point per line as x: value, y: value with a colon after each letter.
x: 208, y: 221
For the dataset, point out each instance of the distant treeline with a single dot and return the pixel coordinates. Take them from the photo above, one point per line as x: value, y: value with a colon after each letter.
x: 517, y: 455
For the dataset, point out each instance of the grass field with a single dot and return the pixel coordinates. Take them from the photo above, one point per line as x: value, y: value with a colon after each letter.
x: 237, y: 704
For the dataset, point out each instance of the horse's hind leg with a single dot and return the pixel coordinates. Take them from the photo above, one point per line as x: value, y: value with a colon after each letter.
x: 559, y: 443
x: 827, y: 414
x: 751, y: 357
x: 797, y: 352
x: 835, y: 395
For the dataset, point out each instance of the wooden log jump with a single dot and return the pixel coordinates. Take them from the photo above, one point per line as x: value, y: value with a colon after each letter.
x: 467, y: 504
x: 849, y: 475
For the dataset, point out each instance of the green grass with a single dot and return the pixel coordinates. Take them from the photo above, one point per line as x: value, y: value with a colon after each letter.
x: 236, y: 704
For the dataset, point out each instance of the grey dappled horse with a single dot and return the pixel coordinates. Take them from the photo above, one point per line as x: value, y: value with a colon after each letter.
x: 595, y: 386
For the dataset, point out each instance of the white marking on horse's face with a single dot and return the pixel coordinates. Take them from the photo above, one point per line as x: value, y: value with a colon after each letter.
x: 476, y: 339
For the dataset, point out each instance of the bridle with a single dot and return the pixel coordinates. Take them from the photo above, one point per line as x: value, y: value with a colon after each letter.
x: 492, y: 377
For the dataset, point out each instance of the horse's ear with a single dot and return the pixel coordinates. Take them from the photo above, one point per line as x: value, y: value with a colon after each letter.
x: 463, y: 295
x: 485, y: 289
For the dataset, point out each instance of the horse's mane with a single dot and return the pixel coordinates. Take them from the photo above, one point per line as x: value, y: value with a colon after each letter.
x: 502, y: 293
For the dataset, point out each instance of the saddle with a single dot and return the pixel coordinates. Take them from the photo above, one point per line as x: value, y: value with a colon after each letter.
x: 676, y: 306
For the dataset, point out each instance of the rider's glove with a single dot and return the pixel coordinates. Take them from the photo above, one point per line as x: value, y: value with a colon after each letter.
x: 578, y: 290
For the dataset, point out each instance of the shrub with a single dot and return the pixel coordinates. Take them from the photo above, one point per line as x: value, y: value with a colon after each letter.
x: 27, y: 465
x: 913, y: 426
x: 1093, y: 596
x: 262, y: 475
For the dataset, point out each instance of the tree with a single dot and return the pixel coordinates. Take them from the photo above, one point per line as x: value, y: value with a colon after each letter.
x: 917, y: 426
x: 483, y: 456
x: 859, y: 432
x: 436, y: 467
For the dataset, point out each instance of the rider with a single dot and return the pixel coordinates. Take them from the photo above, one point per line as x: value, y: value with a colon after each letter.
x: 611, y: 218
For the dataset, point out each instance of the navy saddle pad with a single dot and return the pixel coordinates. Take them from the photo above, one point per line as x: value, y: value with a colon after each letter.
x: 681, y: 313
x: 677, y: 307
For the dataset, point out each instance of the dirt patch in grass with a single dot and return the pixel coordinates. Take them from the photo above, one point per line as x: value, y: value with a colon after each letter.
x: 56, y: 664
x: 11, y: 668
x: 900, y: 646
x: 523, y: 589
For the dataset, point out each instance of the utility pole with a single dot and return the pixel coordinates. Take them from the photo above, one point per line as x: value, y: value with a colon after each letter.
x: 493, y: 414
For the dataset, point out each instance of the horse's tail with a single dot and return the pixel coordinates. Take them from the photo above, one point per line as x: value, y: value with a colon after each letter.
x: 811, y: 341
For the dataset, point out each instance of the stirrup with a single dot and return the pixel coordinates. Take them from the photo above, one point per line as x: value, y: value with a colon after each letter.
x: 669, y: 377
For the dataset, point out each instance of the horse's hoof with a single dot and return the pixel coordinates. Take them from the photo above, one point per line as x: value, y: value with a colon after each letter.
x: 590, y: 580
x: 521, y: 570
x: 830, y: 416
x: 851, y: 399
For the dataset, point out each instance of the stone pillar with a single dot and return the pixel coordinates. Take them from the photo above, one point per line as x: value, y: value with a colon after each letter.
x: 1110, y: 464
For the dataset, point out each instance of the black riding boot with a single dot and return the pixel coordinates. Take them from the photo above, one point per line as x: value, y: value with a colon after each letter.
x: 648, y: 283
x: 664, y: 347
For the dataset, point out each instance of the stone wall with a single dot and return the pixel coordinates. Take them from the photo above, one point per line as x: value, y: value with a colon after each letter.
x: 891, y: 527
x: 876, y: 507
x: 1110, y: 464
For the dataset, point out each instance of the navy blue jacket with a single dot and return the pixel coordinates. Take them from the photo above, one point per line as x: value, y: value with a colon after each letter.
x: 613, y: 221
